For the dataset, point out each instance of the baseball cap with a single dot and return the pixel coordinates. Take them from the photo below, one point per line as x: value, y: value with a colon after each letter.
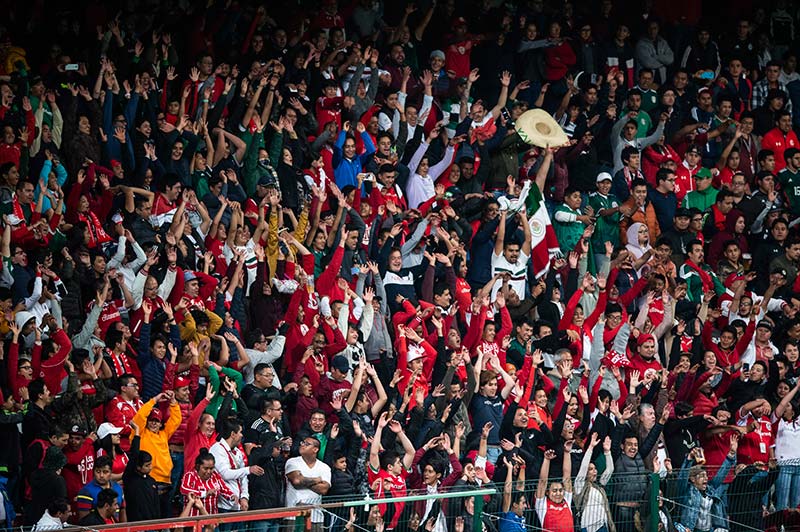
x: 703, y: 173
x: 459, y: 21
x: 340, y: 362
x: 764, y: 324
x: 604, y: 176
x: 107, y: 428
x: 437, y: 53
x: 78, y: 430
x: 189, y: 276
x: 156, y: 415
x: 180, y: 382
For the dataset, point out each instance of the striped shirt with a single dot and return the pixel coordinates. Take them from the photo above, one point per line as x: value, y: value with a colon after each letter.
x: 193, y: 484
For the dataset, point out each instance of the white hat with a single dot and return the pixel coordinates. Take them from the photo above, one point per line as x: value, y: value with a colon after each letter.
x: 604, y: 176
x: 538, y: 128
x: 414, y: 352
x: 107, y: 428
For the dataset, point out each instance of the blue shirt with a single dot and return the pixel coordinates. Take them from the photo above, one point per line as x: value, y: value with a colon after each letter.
x: 511, y: 522
x: 87, y: 497
x: 488, y: 409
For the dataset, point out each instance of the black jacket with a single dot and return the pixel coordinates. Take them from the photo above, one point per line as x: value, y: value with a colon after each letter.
x: 266, y: 491
x: 141, y: 494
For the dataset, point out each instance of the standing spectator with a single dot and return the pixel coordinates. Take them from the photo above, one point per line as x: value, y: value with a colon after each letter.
x: 155, y: 438
x: 653, y: 52
x: 308, y: 479
x: 780, y: 138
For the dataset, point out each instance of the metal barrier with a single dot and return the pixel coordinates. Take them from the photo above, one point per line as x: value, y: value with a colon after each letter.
x: 336, y: 514
x: 752, y: 490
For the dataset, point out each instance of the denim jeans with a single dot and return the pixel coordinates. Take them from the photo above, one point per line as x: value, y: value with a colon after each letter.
x: 268, y: 525
x: 229, y: 527
x: 787, y: 487
x: 175, y: 480
x: 493, y: 453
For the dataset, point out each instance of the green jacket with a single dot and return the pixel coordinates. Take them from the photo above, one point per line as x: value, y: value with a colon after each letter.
x: 567, y: 233
x: 254, y: 169
x: 694, y: 288
x: 702, y: 200
x: 213, y: 377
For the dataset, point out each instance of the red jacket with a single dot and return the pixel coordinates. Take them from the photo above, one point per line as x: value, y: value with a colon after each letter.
x: 776, y: 141
x: 119, y: 413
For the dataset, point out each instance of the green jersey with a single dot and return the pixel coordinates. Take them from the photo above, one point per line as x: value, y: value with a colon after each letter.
x: 607, y: 228
x: 790, y: 186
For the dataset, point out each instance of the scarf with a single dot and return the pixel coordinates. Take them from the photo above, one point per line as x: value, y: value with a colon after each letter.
x: 18, y: 211
x: 629, y: 177
x: 705, y: 278
x: 120, y: 362
x: 97, y: 235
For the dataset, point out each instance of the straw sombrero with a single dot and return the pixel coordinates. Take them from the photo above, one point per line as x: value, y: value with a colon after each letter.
x: 538, y: 128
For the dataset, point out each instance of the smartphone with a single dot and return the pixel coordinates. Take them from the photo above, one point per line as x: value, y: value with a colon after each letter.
x: 71, y: 66
x: 505, y: 114
x: 746, y: 367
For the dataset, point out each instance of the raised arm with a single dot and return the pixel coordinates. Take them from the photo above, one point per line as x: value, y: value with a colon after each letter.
x: 505, y: 81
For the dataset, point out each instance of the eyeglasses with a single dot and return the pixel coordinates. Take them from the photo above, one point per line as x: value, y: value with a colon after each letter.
x: 132, y: 385
x: 305, y: 443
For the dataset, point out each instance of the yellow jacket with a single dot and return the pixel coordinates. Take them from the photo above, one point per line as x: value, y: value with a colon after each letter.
x: 157, y: 444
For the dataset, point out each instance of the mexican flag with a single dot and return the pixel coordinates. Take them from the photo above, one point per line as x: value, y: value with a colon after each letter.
x: 544, y: 245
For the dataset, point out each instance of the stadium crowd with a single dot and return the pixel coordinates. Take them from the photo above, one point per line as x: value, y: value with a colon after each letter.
x: 260, y: 255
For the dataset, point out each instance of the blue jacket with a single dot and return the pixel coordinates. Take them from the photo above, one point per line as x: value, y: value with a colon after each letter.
x: 345, y: 170
x: 152, y: 368
x: 690, y: 497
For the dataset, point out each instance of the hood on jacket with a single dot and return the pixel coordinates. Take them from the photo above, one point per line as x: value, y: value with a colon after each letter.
x: 633, y: 240
x: 22, y: 317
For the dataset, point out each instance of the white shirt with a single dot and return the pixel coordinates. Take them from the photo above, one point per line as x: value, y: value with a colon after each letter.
x: 231, y: 466
x: 250, y: 261
x: 517, y: 270
x: 787, y: 440
x: 296, y: 496
x: 48, y: 522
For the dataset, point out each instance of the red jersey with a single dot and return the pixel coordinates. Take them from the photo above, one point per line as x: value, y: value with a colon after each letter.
x: 120, y: 412
x: 555, y: 517
x: 163, y: 210
x: 193, y: 484
x: 457, y: 57
x: 110, y: 314
x: 79, y: 469
x: 385, y: 485
x: 754, y: 446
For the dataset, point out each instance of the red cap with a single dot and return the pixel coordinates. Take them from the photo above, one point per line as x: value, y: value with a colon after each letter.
x: 732, y: 278
x: 459, y: 21
x: 115, y: 162
x: 155, y: 414
x: 180, y: 382
x: 644, y: 338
